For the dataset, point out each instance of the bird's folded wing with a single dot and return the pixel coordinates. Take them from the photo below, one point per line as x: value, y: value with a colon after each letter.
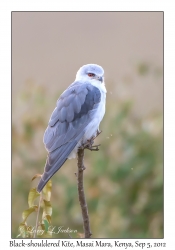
x: 74, y: 111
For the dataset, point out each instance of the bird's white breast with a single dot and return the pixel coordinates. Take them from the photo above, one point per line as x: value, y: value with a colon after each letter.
x: 93, y: 126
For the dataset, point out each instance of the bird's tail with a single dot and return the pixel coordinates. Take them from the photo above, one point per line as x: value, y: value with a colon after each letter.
x: 54, y: 162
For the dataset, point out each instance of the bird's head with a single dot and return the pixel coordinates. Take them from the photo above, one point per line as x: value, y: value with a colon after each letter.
x: 90, y: 72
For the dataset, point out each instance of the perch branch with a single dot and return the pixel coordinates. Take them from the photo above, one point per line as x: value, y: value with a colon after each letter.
x: 81, y: 194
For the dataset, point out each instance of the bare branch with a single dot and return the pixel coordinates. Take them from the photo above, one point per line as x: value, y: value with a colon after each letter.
x: 81, y: 194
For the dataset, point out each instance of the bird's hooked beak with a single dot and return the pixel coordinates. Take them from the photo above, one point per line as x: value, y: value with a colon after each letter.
x: 99, y: 78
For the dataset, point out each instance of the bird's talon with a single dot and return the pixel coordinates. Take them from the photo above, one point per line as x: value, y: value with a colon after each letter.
x: 98, y: 132
x: 94, y: 148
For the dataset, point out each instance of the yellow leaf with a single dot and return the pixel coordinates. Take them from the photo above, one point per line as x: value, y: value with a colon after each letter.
x: 33, y: 194
x: 47, y: 209
x: 41, y: 227
x: 36, y: 176
x: 48, y: 218
x: 27, y: 212
x: 47, y: 190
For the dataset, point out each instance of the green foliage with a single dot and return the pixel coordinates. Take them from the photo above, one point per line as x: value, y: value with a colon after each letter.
x: 123, y: 181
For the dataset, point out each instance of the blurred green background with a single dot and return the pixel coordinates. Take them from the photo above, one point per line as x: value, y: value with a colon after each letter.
x: 124, y: 180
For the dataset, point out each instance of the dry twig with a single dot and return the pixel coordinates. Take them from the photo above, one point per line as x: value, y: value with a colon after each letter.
x: 81, y: 194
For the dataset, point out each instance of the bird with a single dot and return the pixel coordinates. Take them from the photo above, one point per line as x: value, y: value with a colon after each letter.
x: 75, y: 119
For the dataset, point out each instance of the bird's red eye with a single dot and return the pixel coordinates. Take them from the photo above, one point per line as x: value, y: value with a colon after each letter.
x: 91, y: 74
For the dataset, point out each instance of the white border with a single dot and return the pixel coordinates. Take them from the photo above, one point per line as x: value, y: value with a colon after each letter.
x: 5, y: 96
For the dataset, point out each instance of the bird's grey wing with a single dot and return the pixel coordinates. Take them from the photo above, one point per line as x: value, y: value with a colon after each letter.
x: 75, y: 109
